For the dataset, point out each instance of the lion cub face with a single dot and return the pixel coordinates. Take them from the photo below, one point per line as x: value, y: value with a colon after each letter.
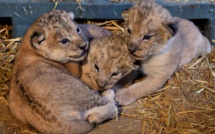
x: 56, y: 36
x: 107, y: 62
x: 147, y: 28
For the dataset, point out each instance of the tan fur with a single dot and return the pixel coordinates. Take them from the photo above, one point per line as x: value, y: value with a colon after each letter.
x: 42, y: 92
x: 91, y: 31
x: 74, y: 68
x: 107, y: 62
x: 196, y: 44
x: 152, y: 40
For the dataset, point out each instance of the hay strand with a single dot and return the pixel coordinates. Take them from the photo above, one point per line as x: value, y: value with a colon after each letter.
x: 186, y: 104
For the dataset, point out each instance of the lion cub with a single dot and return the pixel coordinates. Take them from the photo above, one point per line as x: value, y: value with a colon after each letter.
x: 161, y: 43
x: 90, y: 31
x: 42, y: 92
x: 107, y: 62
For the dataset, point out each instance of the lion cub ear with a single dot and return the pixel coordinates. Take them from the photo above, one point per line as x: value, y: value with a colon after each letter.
x: 171, y: 27
x: 125, y: 14
x: 37, y: 38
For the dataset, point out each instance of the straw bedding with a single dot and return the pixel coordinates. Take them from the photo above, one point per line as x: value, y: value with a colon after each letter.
x: 186, y: 104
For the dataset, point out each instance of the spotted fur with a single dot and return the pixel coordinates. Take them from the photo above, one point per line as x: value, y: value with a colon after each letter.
x: 107, y: 62
x: 42, y: 91
x: 92, y: 32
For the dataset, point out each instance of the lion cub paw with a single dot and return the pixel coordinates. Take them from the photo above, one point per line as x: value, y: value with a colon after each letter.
x: 109, y: 95
x: 94, y: 118
x: 105, y: 112
x: 124, y: 97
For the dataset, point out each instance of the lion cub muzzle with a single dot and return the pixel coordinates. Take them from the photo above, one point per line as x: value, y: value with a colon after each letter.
x: 132, y: 47
x: 101, y: 83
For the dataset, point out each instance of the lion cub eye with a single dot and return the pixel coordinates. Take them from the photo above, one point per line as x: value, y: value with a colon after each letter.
x: 64, y: 41
x: 129, y: 31
x: 96, y: 67
x: 147, y: 37
x: 115, y: 74
x: 78, y: 30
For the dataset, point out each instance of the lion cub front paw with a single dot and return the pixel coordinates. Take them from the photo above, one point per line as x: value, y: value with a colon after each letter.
x: 94, y: 118
x: 109, y: 95
x: 105, y: 112
x: 124, y: 97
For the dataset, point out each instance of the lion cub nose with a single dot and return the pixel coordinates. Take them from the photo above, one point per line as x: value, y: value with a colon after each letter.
x: 83, y: 46
x: 132, y: 47
x: 101, y: 83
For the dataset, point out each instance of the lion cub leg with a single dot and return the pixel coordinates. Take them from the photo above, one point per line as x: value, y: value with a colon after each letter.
x: 157, y: 73
x: 102, y: 113
x: 140, y: 89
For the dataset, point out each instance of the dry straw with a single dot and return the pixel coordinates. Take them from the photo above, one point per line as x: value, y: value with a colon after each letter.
x: 185, y: 105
